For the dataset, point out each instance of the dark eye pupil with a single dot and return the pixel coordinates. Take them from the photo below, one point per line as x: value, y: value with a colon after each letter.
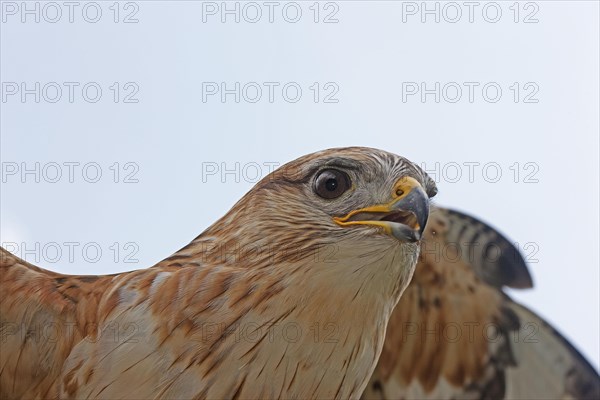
x: 331, y: 184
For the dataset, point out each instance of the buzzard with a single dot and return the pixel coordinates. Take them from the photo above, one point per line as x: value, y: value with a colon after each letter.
x: 456, y: 335
x: 286, y: 296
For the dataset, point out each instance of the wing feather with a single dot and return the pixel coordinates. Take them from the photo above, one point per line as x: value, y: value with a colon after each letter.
x: 455, y: 334
x: 42, y: 316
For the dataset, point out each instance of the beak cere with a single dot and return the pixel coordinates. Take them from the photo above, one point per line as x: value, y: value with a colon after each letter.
x: 404, y: 217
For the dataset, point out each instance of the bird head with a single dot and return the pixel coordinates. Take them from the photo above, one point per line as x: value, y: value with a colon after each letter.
x: 351, y: 190
x: 331, y: 207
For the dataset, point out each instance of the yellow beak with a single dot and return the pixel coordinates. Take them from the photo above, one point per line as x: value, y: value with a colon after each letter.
x: 404, y: 217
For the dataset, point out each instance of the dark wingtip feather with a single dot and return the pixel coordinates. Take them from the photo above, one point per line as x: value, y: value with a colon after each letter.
x: 510, y: 268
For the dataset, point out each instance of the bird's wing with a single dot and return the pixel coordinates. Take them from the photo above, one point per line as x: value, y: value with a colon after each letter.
x: 41, y: 315
x: 81, y: 336
x: 455, y: 334
x: 78, y: 336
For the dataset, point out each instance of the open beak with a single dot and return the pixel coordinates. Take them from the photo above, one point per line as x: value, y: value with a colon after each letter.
x: 404, y: 217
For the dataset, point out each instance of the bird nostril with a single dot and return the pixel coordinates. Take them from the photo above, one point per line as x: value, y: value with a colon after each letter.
x: 399, y: 192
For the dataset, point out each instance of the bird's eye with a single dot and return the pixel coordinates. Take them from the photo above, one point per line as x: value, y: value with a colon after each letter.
x: 331, y: 183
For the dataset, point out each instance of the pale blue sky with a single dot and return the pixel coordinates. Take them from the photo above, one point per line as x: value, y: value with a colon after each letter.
x: 371, y: 61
